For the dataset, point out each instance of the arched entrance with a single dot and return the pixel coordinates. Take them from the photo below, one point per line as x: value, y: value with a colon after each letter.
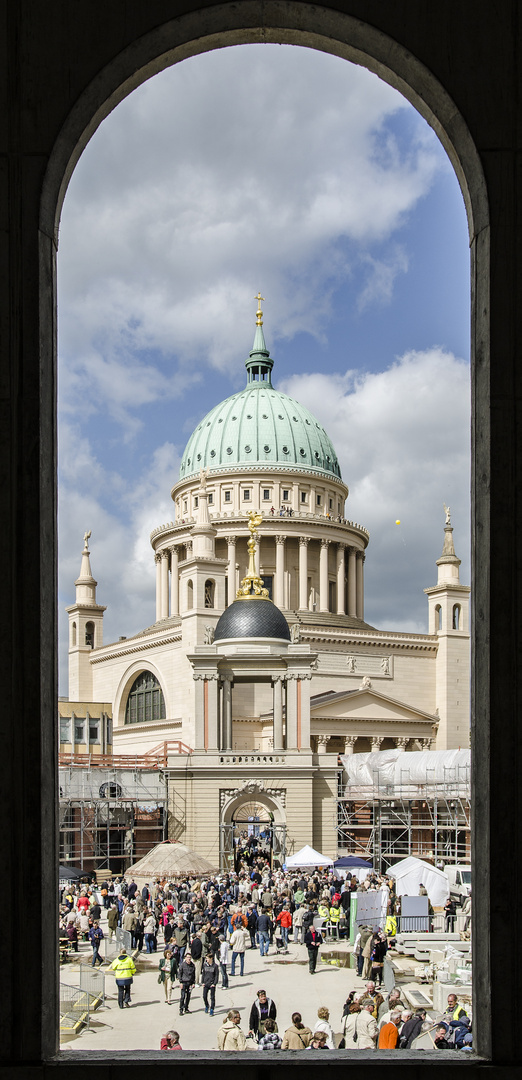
x: 251, y: 830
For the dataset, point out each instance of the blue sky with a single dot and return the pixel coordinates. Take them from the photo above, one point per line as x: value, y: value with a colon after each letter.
x: 296, y: 173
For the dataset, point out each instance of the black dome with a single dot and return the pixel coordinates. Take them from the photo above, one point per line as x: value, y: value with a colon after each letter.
x: 252, y: 618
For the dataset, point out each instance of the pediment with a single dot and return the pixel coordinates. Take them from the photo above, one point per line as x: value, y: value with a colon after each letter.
x: 365, y: 704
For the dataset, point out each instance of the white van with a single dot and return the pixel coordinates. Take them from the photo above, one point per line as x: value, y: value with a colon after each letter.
x: 459, y: 878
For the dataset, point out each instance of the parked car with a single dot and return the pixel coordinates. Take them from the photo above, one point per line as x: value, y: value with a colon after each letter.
x: 459, y: 878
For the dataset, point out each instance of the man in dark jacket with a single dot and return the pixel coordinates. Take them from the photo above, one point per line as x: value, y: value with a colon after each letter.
x: 262, y: 1009
x: 411, y: 1029
x: 187, y: 978
x: 252, y: 921
x: 265, y: 930
x: 313, y: 939
x: 182, y: 937
x: 196, y: 952
x: 209, y: 979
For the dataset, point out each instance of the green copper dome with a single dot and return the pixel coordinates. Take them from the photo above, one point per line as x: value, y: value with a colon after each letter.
x: 259, y: 426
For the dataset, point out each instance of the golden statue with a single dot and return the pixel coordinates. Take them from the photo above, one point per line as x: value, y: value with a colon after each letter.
x: 252, y: 585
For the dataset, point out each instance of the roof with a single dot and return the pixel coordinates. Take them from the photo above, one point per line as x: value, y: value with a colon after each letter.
x: 261, y: 426
x: 170, y: 859
x: 252, y: 618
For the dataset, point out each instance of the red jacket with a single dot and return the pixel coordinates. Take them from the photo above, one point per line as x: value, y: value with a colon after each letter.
x: 285, y: 918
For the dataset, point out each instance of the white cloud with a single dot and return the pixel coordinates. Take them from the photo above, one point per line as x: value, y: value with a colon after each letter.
x: 403, y: 441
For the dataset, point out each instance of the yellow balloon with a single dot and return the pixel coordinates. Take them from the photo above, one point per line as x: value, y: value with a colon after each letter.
x: 397, y: 522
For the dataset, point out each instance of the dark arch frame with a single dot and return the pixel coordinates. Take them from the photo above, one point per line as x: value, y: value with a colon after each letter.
x: 464, y: 43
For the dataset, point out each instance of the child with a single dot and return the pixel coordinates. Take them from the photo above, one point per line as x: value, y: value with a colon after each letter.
x: 270, y: 1040
x: 319, y: 1041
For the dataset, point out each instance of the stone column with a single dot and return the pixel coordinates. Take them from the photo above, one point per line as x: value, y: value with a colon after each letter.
x: 157, y: 560
x: 360, y: 585
x: 279, y: 598
x: 291, y: 712
x: 212, y: 684
x: 323, y: 576
x: 376, y: 743
x: 226, y: 715
x: 231, y: 569
x: 164, y: 602
x: 340, y: 578
x: 401, y: 743
x: 303, y: 572
x: 199, y: 713
x: 278, y: 712
x: 352, y: 582
x: 303, y: 710
x: 174, y: 581
x: 349, y: 743
x: 322, y: 741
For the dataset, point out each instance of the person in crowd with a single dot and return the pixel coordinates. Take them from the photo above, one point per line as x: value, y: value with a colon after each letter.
x: 262, y: 1010
x: 391, y: 1002
x: 373, y: 993
x: 378, y: 952
x: 319, y: 1041
x: 313, y: 941
x: 187, y: 978
x: 450, y: 915
x: 264, y: 930
x: 181, y: 935
x: 72, y: 933
x: 223, y: 960
x: 389, y: 1033
x: 252, y: 921
x: 360, y: 1027
x: 196, y: 952
x: 168, y: 967
x: 96, y: 938
x: 285, y: 921
x: 454, y: 1010
x: 238, y: 946
x: 112, y: 920
x: 323, y: 1025
x: 296, y: 1037
x: 441, y: 1037
x: 297, y: 922
x: 230, y: 1036
x: 170, y: 1041
x: 411, y: 1028
x: 209, y: 980
x: 124, y: 969
x: 270, y: 1040
x: 149, y: 928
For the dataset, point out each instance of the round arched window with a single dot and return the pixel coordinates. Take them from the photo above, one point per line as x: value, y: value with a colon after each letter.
x: 145, y: 700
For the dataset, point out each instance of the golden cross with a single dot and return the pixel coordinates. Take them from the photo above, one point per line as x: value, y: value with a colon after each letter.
x: 259, y: 313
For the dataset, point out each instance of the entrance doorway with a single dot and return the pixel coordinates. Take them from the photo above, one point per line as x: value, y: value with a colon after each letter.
x: 252, y: 833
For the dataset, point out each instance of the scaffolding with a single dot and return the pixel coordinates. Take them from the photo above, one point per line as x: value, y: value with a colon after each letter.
x: 384, y: 822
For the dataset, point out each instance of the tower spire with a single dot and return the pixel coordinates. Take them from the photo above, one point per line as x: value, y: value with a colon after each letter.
x: 448, y: 563
x: 259, y: 365
x: 85, y: 583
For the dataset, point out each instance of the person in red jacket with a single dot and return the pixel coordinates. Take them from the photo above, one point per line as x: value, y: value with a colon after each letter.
x: 389, y: 1033
x: 285, y: 921
x: 170, y: 1041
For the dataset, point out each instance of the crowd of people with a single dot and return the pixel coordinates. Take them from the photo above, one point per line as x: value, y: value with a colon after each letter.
x: 202, y: 932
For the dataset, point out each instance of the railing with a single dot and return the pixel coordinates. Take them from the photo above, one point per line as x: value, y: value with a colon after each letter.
x: 156, y: 758
x: 426, y: 924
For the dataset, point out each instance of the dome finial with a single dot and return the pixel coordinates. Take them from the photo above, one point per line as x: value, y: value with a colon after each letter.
x: 259, y: 313
x: 252, y: 585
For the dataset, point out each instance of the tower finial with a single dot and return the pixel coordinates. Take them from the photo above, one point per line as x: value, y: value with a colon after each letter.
x: 252, y: 585
x: 259, y: 313
x: 86, y: 538
x: 447, y: 511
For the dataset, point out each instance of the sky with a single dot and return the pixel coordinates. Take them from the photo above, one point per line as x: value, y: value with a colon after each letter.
x: 292, y: 172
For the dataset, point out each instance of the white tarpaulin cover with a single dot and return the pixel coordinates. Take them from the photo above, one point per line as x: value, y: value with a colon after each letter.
x: 307, y: 857
x: 411, y: 872
x: 401, y: 768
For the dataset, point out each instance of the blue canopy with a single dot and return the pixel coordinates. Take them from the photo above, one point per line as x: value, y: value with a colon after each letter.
x: 351, y: 861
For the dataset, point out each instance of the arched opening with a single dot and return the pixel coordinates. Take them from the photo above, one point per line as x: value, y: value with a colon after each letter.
x: 73, y: 634
x: 190, y: 595
x: 89, y: 634
x: 209, y: 593
x: 87, y: 122
x: 145, y: 701
x: 456, y: 617
x: 438, y: 618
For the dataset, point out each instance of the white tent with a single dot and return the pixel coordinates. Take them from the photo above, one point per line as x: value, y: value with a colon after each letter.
x: 411, y: 872
x: 307, y: 859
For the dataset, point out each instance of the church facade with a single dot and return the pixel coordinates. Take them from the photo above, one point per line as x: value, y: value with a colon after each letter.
x: 264, y: 706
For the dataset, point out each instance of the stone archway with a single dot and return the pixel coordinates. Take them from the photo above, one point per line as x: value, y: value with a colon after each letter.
x: 252, y: 825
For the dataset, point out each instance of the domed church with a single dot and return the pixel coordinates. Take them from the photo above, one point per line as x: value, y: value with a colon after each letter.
x: 260, y: 662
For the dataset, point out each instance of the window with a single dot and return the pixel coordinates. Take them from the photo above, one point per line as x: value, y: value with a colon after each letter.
x: 330, y: 504
x: 318, y: 499
x: 210, y: 499
x: 438, y: 617
x: 304, y: 497
x: 246, y: 494
x: 89, y: 634
x: 94, y: 731
x: 73, y: 634
x: 228, y: 496
x: 209, y: 593
x: 79, y: 731
x: 456, y: 617
x: 65, y: 729
x: 196, y: 502
x: 145, y: 700
x: 190, y: 595
x: 285, y: 494
x: 266, y: 494
x: 185, y: 506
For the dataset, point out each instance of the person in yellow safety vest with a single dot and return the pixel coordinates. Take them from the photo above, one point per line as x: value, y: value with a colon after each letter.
x: 323, y: 909
x: 124, y: 968
x: 390, y: 928
x: 335, y: 915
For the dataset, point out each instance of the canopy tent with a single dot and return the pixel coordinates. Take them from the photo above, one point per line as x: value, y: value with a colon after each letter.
x: 307, y: 859
x: 410, y: 873
x: 169, y: 860
x: 352, y: 866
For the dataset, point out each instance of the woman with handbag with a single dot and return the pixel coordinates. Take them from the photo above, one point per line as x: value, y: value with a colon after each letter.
x: 360, y: 1027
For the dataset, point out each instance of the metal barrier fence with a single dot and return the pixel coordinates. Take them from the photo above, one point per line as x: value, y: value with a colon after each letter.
x: 93, y: 981
x: 112, y: 946
x: 76, y: 1006
x: 424, y: 924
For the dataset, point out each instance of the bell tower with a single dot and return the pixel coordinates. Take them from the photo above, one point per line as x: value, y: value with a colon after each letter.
x: 448, y: 606
x: 85, y: 629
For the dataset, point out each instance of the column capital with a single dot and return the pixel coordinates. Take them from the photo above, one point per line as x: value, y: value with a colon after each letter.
x: 165, y: 553
x: 323, y: 739
x: 401, y: 743
x: 157, y: 557
x: 341, y: 545
x: 231, y: 541
x: 324, y: 542
x: 174, y: 550
x: 278, y: 678
x: 360, y: 555
x: 304, y: 541
x: 280, y: 539
x: 376, y: 742
x: 350, y: 740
